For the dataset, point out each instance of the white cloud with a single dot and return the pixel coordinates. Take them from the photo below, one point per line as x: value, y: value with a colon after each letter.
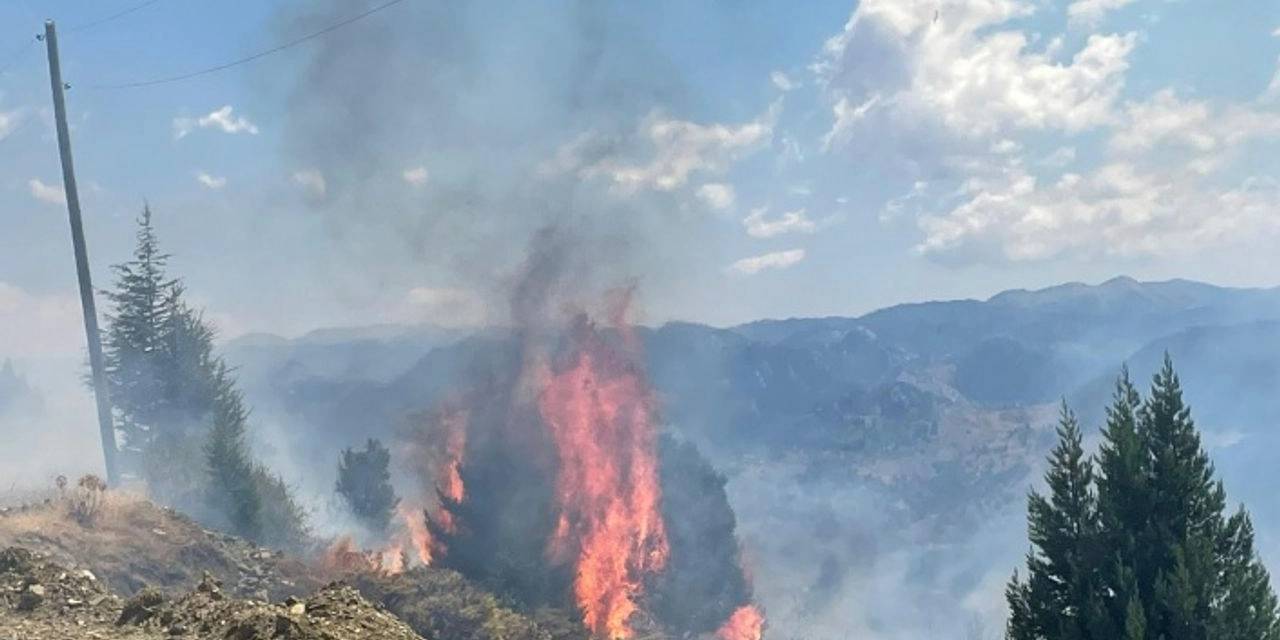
x: 209, y: 181
x: 8, y: 123
x: 47, y: 193
x: 442, y: 306
x: 717, y: 195
x: 416, y: 176
x: 39, y: 325
x: 1116, y: 209
x: 1163, y: 118
x: 221, y: 119
x: 1061, y: 157
x: 1005, y: 146
x: 782, y: 81
x: 790, y: 222
x: 312, y: 181
x: 961, y: 66
x: 670, y: 152
x: 1090, y: 12
x: 846, y: 116
x: 775, y: 260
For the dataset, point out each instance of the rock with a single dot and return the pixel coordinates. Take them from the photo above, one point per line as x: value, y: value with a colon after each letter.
x: 141, y: 607
x: 31, y: 598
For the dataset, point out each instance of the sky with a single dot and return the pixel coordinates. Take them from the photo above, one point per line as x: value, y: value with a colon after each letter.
x: 734, y: 160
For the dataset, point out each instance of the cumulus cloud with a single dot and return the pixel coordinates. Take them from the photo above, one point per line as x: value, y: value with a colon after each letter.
x: 1091, y: 12
x: 1116, y: 209
x: 1061, y: 157
x: 775, y: 260
x: 210, y: 181
x: 717, y: 195
x: 758, y: 226
x: 671, y: 151
x: 847, y: 115
x: 416, y: 176
x: 963, y: 67
x: 221, y: 119
x: 782, y: 81
x: 312, y: 181
x: 46, y: 193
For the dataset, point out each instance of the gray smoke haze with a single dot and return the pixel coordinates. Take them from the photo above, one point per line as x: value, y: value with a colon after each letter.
x: 436, y: 140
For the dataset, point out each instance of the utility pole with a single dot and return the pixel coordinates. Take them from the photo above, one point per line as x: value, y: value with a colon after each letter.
x: 105, y: 424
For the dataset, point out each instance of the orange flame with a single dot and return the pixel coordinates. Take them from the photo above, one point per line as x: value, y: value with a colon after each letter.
x: 600, y: 413
x: 416, y: 528
x: 746, y: 623
x: 455, y: 425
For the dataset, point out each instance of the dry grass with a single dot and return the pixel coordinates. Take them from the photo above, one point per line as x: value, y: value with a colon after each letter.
x: 131, y: 543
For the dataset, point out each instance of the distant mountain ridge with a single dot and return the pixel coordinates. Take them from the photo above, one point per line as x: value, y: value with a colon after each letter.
x: 897, y: 443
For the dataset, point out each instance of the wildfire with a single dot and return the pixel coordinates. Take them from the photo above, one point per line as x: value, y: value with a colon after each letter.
x: 419, y: 538
x: 343, y: 556
x: 746, y: 623
x: 450, y: 481
x: 600, y: 413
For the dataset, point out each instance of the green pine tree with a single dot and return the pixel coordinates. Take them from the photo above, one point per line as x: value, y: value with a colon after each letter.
x: 182, y: 418
x: 1123, y: 506
x: 1163, y: 561
x: 364, y: 482
x: 142, y: 302
x: 1062, y: 584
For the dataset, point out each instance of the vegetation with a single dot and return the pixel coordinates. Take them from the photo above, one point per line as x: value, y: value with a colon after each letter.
x: 181, y: 417
x: 364, y: 482
x: 1134, y: 542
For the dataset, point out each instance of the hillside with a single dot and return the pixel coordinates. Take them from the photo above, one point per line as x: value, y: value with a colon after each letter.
x: 137, y: 571
x: 929, y: 420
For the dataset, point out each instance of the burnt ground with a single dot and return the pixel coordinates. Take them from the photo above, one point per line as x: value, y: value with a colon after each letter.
x: 135, y: 570
x: 42, y: 600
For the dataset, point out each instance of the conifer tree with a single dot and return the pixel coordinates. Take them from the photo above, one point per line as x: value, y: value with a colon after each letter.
x: 1062, y: 596
x: 183, y: 420
x: 364, y: 482
x: 1163, y: 561
x: 142, y: 301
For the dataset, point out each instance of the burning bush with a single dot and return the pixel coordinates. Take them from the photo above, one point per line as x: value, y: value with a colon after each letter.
x: 570, y: 500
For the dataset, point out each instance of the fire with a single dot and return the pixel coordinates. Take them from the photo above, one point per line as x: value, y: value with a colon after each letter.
x: 455, y: 425
x: 746, y: 623
x: 600, y: 412
x: 343, y: 556
x: 416, y: 529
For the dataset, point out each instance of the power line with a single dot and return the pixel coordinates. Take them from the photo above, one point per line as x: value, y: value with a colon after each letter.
x: 251, y: 58
x: 119, y: 14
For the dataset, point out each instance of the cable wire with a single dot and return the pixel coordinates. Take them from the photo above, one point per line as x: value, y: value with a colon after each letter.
x: 250, y: 58
x: 105, y: 19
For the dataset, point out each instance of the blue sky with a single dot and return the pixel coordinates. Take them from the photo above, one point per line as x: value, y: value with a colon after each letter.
x: 737, y: 159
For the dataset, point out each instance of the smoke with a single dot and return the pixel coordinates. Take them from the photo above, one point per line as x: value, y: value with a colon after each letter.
x: 447, y: 134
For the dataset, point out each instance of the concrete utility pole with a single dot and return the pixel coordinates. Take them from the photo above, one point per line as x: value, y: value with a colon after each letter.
x: 105, y: 424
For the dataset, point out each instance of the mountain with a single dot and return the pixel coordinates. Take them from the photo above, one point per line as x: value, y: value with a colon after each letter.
x: 881, y: 459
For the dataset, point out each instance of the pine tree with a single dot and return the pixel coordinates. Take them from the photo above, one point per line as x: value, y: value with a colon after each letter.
x: 1165, y: 563
x: 1123, y: 506
x: 183, y: 420
x: 1061, y: 593
x: 142, y: 302
x: 1185, y: 516
x: 364, y: 482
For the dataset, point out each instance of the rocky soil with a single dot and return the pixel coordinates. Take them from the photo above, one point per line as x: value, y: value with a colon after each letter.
x: 42, y: 600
